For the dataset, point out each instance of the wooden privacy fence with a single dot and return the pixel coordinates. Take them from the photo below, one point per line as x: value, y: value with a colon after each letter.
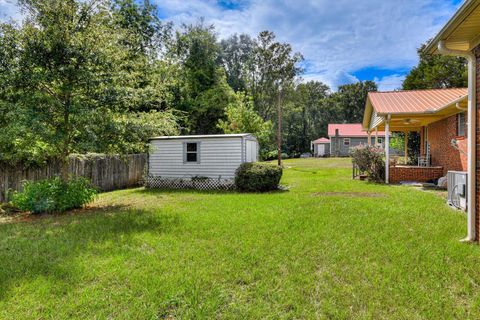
x: 105, y: 172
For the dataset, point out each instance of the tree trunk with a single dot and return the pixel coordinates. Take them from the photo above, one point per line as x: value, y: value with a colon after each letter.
x: 66, y: 141
x: 279, y: 127
x: 64, y: 169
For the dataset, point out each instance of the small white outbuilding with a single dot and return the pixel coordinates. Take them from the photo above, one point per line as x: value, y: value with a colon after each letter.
x: 199, y: 157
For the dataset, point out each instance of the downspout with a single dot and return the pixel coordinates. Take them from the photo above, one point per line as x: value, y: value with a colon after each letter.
x: 387, y: 148
x: 471, y: 133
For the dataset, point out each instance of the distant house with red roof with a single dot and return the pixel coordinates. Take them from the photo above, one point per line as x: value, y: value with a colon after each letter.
x: 344, y: 136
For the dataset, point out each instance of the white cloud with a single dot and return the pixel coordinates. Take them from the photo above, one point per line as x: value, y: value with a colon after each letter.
x: 9, y: 11
x: 336, y: 37
x: 389, y: 83
x: 332, y: 79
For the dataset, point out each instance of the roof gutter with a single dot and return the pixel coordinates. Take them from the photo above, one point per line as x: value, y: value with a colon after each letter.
x: 471, y: 132
x: 459, y: 16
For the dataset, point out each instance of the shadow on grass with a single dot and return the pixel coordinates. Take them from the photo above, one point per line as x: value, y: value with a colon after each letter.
x: 48, y: 248
x: 147, y: 191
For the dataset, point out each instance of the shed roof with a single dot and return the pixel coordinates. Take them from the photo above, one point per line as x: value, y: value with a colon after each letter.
x: 321, y: 140
x: 415, y: 101
x: 203, y: 136
x: 348, y: 130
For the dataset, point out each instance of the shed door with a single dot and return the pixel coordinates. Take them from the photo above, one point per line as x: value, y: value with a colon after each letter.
x: 251, y: 151
x: 321, y: 149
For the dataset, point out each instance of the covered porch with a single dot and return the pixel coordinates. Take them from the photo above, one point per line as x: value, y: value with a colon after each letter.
x: 411, y: 112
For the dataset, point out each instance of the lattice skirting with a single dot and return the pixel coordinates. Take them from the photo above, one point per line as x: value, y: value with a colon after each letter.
x: 187, y: 183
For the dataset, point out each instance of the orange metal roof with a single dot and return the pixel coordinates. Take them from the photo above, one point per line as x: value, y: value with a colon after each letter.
x: 415, y: 101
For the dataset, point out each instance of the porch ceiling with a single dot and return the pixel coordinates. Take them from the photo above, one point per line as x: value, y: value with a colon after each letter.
x: 408, y: 122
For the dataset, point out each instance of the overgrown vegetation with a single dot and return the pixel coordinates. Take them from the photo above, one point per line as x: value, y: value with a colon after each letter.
x: 242, y: 118
x: 257, y: 177
x: 102, y: 76
x: 54, y: 195
x: 369, y: 159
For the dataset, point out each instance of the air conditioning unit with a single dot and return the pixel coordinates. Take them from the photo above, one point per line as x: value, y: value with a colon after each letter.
x: 457, y: 189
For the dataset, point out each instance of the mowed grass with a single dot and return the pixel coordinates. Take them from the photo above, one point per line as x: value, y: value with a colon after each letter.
x: 329, y: 248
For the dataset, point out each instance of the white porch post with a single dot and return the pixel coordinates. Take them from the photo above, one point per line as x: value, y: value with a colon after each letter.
x: 369, y: 138
x: 387, y: 147
x: 376, y: 136
x: 406, y: 147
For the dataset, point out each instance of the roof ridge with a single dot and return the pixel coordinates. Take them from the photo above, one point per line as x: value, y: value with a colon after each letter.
x: 415, y: 90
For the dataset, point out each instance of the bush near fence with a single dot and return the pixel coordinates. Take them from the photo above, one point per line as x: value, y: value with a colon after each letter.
x: 106, y: 172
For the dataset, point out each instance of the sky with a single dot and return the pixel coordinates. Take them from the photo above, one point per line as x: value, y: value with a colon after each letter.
x: 342, y: 41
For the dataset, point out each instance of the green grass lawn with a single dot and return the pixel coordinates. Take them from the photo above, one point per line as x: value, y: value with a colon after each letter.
x: 329, y: 247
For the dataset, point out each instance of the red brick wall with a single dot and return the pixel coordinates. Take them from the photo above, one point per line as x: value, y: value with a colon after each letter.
x: 440, y: 135
x: 418, y: 174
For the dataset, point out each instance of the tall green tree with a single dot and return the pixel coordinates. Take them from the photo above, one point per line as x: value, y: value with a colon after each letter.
x: 242, y: 118
x: 311, y: 98
x: 203, y: 89
x: 235, y: 55
x: 63, y: 80
x: 349, y: 101
x: 143, y: 33
x: 147, y: 77
x: 272, y: 71
x: 435, y: 71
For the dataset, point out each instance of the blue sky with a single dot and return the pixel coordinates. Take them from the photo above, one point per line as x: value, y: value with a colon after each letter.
x: 343, y: 41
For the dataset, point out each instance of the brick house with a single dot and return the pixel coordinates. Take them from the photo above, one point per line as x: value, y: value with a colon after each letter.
x: 438, y: 115
x: 439, y: 135
x: 461, y: 37
x: 344, y: 136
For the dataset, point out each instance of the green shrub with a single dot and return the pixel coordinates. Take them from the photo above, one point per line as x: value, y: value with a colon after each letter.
x: 54, y: 195
x: 257, y: 177
x: 273, y: 155
x: 369, y: 159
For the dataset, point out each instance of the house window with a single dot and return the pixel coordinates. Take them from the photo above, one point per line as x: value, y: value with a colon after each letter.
x: 192, y: 152
x: 346, y: 141
x: 380, y: 140
x: 461, y: 124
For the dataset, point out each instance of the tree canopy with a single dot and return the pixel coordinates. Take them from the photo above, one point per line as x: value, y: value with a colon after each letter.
x: 435, y: 71
x: 66, y: 81
x: 103, y: 76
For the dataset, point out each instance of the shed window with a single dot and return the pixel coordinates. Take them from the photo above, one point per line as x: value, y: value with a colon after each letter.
x: 191, y: 152
x: 461, y: 124
x: 346, y: 141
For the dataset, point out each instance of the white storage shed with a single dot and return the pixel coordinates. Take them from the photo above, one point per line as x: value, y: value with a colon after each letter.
x: 321, y: 147
x: 215, y: 156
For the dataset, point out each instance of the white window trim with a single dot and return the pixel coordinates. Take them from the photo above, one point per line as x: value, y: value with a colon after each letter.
x: 197, y: 152
x: 345, y: 140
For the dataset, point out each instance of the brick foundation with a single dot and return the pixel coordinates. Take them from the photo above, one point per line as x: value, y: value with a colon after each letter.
x: 418, y: 174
